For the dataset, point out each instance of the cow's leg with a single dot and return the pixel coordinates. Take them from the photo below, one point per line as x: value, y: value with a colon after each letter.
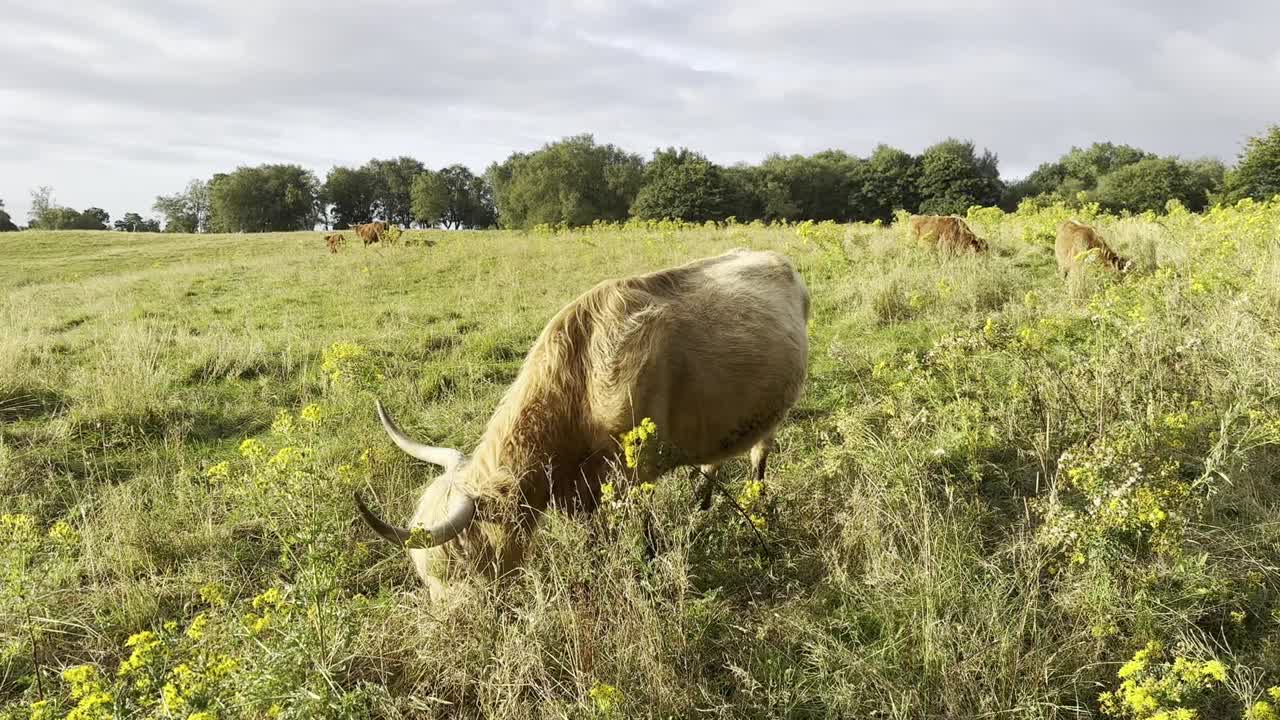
x: 708, y: 484
x: 760, y: 455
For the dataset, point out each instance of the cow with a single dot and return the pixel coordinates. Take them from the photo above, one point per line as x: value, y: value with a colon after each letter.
x: 1077, y: 242
x: 334, y: 241
x: 946, y: 233
x: 713, y: 352
x: 370, y: 232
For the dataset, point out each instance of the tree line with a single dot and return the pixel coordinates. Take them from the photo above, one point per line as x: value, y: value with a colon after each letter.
x: 577, y: 181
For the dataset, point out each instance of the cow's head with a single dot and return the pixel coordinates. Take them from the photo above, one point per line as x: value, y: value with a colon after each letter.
x: 444, y: 510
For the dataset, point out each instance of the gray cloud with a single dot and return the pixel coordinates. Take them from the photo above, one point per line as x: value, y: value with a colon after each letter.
x: 112, y: 103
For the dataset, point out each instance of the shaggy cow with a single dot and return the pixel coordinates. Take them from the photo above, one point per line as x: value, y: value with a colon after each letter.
x: 714, y: 351
x: 334, y: 241
x: 1074, y: 245
x: 370, y: 232
x: 947, y: 233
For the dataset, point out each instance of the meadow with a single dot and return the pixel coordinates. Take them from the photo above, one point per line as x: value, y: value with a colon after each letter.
x: 1003, y: 494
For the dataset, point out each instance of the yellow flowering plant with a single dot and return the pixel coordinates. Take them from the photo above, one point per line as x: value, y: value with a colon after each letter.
x: 1154, y: 688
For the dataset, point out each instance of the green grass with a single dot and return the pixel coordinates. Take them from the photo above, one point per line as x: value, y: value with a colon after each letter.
x: 997, y: 487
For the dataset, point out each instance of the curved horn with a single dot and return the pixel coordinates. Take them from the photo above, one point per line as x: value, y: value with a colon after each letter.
x: 390, y: 533
x: 444, y: 457
x: 462, y: 509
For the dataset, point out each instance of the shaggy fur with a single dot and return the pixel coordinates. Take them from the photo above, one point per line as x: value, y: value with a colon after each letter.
x: 334, y: 241
x: 946, y: 233
x: 370, y: 232
x: 715, y: 352
x: 1074, y: 240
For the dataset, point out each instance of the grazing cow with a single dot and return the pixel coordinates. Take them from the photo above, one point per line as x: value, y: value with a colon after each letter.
x: 714, y: 351
x: 334, y: 241
x: 370, y: 232
x: 946, y: 233
x: 1077, y: 242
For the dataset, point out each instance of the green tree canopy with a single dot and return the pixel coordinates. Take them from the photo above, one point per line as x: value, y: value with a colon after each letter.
x: 94, y: 218
x: 353, y: 195
x: 6, y: 223
x: 1257, y: 173
x: 681, y: 185
x: 453, y: 197
x: 954, y: 177
x: 816, y: 187
x: 887, y: 181
x: 1079, y: 170
x: 42, y: 215
x: 187, y: 211
x: 1149, y: 184
x: 133, y: 222
x: 265, y: 198
x: 744, y: 198
x: 761, y: 193
x: 393, y: 188
x: 573, y: 181
x: 45, y: 214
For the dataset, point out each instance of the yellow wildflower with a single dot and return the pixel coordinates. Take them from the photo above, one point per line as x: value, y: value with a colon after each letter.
x: 63, y: 534
x: 341, y: 359
x: 83, y: 680
x: 17, y: 527
x: 286, y: 457
x: 252, y: 449
x: 212, y: 594
x: 195, y: 630
x: 271, y: 597
x: 173, y: 700
x: 1261, y: 710
x: 313, y: 413
x: 95, y: 706
x: 283, y: 424
x: 222, y: 667
x: 633, y: 440
x: 419, y: 537
x: 146, y: 648
x: 607, y: 697
x: 1141, y: 660
x: 220, y: 471
x: 40, y: 710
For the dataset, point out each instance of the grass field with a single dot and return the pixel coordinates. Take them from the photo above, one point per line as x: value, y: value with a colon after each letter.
x: 1003, y: 494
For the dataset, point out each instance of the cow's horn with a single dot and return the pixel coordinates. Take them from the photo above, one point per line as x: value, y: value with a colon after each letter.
x: 446, y: 458
x: 387, y: 531
x: 462, y: 510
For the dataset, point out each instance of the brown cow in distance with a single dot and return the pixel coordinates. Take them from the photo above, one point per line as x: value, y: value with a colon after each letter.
x: 370, y: 232
x: 334, y: 241
x: 1075, y: 244
x: 946, y: 233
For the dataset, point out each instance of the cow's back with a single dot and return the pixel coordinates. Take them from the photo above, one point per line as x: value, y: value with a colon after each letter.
x: 714, y: 351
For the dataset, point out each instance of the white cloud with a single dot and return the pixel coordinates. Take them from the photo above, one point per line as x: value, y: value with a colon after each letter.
x: 113, y: 103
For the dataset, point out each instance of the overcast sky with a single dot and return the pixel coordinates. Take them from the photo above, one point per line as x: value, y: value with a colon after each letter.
x: 112, y: 103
